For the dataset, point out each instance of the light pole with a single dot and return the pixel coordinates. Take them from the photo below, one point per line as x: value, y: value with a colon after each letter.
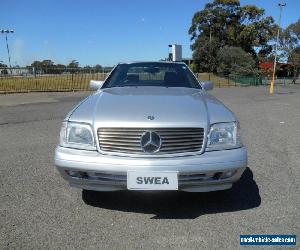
x: 281, y: 5
x: 7, y: 32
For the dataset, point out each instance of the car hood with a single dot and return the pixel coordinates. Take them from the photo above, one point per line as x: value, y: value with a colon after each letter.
x: 170, y: 107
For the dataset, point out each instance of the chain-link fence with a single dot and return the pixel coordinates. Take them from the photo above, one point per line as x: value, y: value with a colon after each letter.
x: 13, y: 80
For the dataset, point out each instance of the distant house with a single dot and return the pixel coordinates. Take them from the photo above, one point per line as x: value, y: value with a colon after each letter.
x: 283, y: 69
x: 15, y: 71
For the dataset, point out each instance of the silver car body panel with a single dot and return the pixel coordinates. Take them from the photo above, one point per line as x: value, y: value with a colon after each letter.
x: 209, y: 162
x: 130, y: 106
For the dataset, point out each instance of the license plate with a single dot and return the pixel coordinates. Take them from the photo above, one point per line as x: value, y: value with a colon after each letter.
x: 152, y: 180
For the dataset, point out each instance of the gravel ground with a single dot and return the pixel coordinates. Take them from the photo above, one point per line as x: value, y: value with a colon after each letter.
x: 40, y: 211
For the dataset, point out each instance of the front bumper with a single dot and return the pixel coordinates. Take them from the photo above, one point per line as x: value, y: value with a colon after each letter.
x: 197, y: 173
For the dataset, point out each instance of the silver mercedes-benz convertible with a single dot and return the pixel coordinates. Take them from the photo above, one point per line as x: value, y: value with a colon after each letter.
x: 151, y: 126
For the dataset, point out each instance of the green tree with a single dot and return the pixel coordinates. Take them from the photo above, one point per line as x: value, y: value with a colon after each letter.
x: 194, y: 67
x: 3, y: 71
x: 37, y: 64
x: 226, y: 22
x: 87, y: 69
x: 73, y: 64
x: 48, y: 66
x: 45, y: 66
x: 47, y: 63
x: 290, y: 45
x: 98, y: 68
x: 234, y: 60
x: 205, y: 54
x: 59, y: 68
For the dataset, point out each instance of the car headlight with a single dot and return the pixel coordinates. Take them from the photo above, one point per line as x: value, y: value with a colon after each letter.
x: 77, y: 135
x: 224, y: 136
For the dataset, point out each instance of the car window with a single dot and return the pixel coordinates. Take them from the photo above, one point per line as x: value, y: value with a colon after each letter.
x: 152, y: 74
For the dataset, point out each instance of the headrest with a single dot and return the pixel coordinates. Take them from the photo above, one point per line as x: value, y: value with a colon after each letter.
x: 132, y: 78
x: 171, y: 79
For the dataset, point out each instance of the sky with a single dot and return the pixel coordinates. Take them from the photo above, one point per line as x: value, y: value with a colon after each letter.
x: 106, y: 31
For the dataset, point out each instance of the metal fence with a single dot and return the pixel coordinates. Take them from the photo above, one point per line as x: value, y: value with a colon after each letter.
x: 240, y: 80
x: 14, y: 80
x: 48, y: 79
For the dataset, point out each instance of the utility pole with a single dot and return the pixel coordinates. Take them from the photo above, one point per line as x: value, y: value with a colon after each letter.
x: 7, y: 32
x: 281, y: 5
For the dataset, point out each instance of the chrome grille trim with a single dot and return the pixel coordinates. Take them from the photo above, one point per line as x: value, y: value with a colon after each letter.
x: 127, y: 140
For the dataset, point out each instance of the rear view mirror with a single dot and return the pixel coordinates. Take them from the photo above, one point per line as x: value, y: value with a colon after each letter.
x: 96, y: 84
x: 207, y: 85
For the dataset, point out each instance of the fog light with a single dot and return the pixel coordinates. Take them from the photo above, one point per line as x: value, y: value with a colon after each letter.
x: 228, y: 174
x: 76, y: 174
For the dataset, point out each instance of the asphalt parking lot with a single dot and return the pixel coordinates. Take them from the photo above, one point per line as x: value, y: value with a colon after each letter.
x: 40, y: 211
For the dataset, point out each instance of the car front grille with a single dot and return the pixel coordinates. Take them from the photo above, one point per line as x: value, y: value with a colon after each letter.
x: 128, y: 140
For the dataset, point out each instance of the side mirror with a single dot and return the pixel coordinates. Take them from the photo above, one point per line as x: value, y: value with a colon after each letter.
x: 207, y: 85
x: 96, y: 84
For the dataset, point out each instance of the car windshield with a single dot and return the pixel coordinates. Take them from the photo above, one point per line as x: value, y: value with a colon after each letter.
x: 152, y: 74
